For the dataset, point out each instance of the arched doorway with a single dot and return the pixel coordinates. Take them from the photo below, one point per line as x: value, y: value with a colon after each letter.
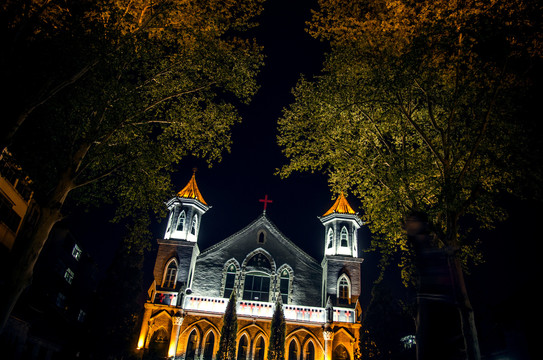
x: 293, y: 350
x: 192, y: 345
x: 242, y: 348
x: 340, y: 353
x: 158, y: 346
x: 208, y: 346
x: 309, y: 351
x: 259, y: 349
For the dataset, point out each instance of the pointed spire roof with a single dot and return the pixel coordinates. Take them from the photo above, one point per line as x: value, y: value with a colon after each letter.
x: 341, y: 206
x: 191, y: 191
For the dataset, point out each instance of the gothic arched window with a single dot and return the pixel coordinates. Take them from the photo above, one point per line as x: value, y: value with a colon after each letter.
x: 194, y: 225
x: 293, y: 350
x: 230, y: 281
x: 344, y: 290
x: 309, y: 351
x: 170, y: 218
x: 259, y: 349
x: 284, y: 285
x: 330, y: 238
x: 208, y: 346
x: 170, y: 275
x: 242, y: 348
x: 181, y: 221
x: 192, y: 345
x: 343, y: 237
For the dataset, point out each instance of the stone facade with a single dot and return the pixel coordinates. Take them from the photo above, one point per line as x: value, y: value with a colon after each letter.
x: 183, y: 314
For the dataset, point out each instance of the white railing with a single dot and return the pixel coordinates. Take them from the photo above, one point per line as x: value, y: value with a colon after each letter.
x: 265, y: 309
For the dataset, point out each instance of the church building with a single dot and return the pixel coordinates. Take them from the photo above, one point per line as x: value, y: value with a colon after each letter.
x: 191, y: 288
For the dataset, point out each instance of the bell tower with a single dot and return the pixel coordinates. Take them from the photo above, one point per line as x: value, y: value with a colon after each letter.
x: 177, y: 251
x: 341, y: 264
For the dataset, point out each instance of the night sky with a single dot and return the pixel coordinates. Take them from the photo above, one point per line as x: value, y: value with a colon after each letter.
x: 234, y: 186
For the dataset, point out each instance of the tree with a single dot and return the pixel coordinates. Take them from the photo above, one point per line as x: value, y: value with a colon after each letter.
x: 158, y: 82
x: 227, y: 342
x: 276, y: 349
x: 417, y: 111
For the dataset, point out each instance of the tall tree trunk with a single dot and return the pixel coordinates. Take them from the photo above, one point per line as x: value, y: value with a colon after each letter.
x: 466, y: 312
x: 27, y: 249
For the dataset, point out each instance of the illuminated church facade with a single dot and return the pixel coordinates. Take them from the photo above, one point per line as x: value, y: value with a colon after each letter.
x: 191, y: 288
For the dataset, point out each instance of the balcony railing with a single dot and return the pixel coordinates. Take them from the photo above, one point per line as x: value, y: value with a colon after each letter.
x: 265, y: 309
x: 165, y: 298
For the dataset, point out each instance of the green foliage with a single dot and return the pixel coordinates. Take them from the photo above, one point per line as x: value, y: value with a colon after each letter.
x: 416, y: 111
x: 159, y: 82
x: 227, y: 342
x: 105, y: 98
x: 276, y: 349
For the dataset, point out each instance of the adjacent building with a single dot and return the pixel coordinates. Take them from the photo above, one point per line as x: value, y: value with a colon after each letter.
x: 191, y: 287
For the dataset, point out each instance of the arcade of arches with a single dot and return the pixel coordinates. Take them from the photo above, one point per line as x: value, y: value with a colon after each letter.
x: 199, y: 340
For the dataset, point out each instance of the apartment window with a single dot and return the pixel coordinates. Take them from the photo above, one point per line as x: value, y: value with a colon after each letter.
x: 61, y: 300
x: 8, y: 215
x: 76, y: 252
x: 81, y: 316
x: 69, y: 275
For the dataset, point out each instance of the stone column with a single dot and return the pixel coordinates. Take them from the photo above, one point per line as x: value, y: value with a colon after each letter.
x: 144, y: 327
x: 174, y: 338
x: 328, y: 335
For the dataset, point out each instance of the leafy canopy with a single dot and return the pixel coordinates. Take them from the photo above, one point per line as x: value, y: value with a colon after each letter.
x: 121, y: 91
x: 414, y: 111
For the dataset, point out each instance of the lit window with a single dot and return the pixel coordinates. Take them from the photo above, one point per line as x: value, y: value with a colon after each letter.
x: 343, y: 237
x: 330, y: 238
x: 343, y: 290
x: 170, y: 275
x: 69, y: 275
x: 194, y: 224
x: 257, y: 287
x: 76, y: 252
x: 181, y: 221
